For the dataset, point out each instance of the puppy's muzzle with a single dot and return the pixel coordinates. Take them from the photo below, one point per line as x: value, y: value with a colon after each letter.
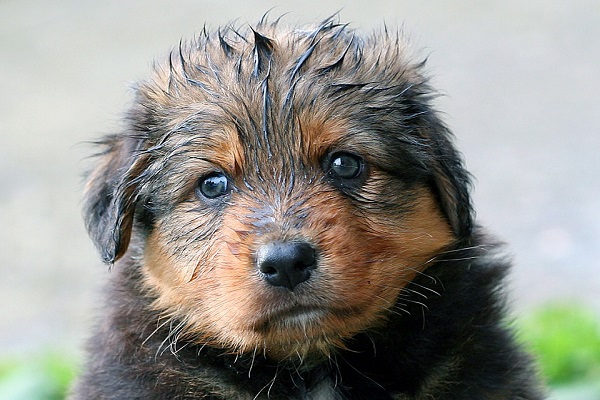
x: 286, y: 264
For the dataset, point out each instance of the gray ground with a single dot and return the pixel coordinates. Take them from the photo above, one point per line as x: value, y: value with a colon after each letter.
x: 522, y: 84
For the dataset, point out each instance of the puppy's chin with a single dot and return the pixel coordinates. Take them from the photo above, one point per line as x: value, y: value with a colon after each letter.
x: 305, y: 332
x: 300, y: 336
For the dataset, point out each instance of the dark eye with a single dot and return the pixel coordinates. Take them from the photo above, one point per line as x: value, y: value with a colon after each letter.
x: 346, y: 165
x: 214, y: 185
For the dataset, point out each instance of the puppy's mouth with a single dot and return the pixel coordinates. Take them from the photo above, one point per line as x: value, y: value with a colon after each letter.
x: 307, y: 318
x: 298, y: 316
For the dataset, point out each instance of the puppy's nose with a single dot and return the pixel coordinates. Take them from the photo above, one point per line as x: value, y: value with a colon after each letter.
x: 286, y: 264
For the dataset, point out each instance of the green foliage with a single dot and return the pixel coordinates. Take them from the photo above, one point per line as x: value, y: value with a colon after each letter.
x: 45, y: 377
x: 566, y: 341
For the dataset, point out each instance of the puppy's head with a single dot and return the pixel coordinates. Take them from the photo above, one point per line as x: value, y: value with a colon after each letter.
x: 280, y: 187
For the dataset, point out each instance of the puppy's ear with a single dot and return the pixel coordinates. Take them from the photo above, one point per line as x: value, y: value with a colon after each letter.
x: 452, y: 182
x: 111, y: 195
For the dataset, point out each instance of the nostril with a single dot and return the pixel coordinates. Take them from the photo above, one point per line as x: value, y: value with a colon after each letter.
x: 265, y: 269
x: 286, y: 264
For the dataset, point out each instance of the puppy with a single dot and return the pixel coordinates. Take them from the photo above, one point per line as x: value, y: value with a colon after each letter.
x: 287, y: 218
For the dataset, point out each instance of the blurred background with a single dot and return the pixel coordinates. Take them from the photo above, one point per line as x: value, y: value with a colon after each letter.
x: 521, y: 85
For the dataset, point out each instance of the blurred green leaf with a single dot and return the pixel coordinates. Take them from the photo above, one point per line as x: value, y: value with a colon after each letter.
x: 45, y: 377
x: 566, y: 342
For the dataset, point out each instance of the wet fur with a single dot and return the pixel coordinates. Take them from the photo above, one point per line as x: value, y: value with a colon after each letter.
x: 425, y: 315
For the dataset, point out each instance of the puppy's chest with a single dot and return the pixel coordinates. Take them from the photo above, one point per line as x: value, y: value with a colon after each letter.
x: 300, y: 388
x: 326, y: 389
x: 329, y: 388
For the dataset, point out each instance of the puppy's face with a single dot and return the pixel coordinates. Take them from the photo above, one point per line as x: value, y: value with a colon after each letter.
x: 280, y: 189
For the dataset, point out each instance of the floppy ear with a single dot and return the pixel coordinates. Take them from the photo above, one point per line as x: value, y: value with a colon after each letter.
x: 111, y: 194
x: 452, y: 182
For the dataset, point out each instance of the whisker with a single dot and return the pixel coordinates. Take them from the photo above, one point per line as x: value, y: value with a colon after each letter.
x: 154, y: 331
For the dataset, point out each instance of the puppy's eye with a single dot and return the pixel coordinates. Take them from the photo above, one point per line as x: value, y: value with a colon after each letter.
x: 214, y: 185
x: 346, y: 165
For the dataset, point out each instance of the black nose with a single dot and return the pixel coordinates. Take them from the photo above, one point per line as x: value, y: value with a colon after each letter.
x: 286, y: 264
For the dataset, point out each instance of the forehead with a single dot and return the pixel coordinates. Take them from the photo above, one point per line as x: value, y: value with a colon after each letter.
x: 234, y: 100
x: 206, y: 143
